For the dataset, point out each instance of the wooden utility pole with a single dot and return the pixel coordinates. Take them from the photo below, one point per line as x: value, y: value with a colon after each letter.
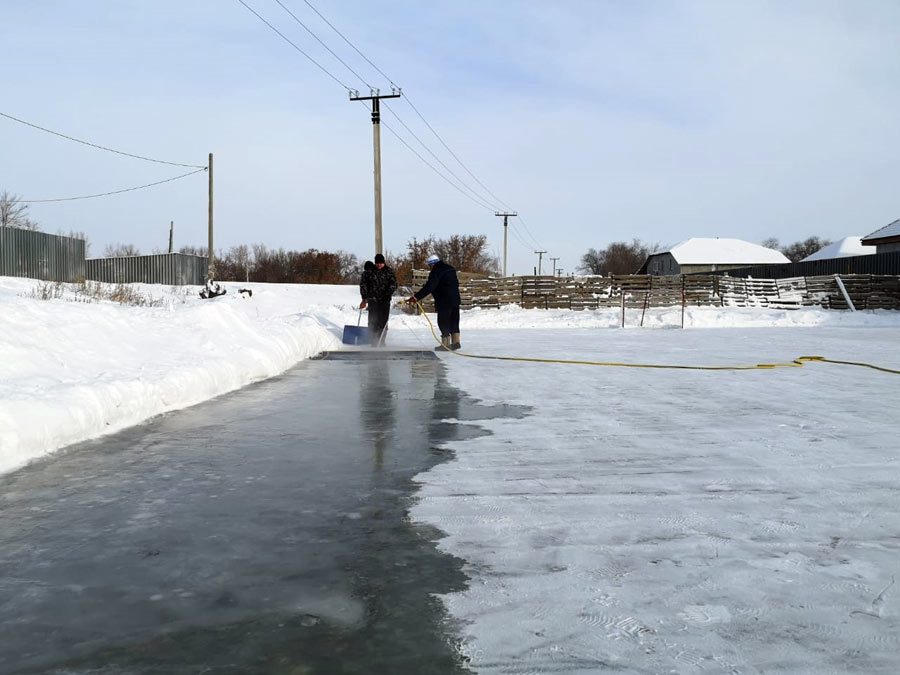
x: 210, y: 273
x: 505, y: 226
x: 171, y: 236
x: 375, y: 96
x: 554, y: 265
x: 540, y: 255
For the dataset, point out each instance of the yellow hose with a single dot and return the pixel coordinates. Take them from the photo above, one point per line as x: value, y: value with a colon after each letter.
x: 795, y: 363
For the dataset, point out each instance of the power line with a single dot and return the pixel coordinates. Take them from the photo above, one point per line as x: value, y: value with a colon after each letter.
x: 319, y: 40
x: 406, y: 95
x: 438, y: 159
x: 114, y: 192
x: 477, y: 199
x: 522, y: 220
x: 288, y: 40
x: 453, y: 154
x: 100, y: 147
x: 363, y: 80
x: 349, y: 89
x: 520, y: 238
x: 393, y: 84
x: 425, y: 161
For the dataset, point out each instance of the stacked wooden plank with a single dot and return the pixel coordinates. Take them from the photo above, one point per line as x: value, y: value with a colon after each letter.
x: 858, y: 287
x: 548, y: 292
x: 701, y: 290
x: 665, y: 291
x: 760, y: 292
x: 885, y: 293
x: 733, y: 292
x: 792, y: 293
x: 493, y: 293
x: 567, y: 290
x: 591, y: 293
x: 634, y: 287
x: 820, y: 290
x: 749, y: 292
x: 539, y: 291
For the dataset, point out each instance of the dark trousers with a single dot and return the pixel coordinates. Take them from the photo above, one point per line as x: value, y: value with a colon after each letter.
x: 378, y: 318
x: 448, y: 320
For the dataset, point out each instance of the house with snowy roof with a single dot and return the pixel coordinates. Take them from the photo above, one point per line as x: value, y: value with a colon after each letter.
x: 843, y: 248
x: 701, y: 254
x: 886, y: 239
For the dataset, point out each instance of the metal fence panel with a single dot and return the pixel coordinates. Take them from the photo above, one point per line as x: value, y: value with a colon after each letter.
x: 173, y: 269
x: 38, y: 255
x: 879, y: 263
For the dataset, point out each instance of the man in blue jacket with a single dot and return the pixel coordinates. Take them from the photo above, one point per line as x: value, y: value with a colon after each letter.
x: 443, y: 284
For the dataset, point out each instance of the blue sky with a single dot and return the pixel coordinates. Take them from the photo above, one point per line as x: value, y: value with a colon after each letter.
x: 598, y: 121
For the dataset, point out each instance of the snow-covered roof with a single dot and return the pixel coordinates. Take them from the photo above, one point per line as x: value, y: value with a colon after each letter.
x: 844, y: 248
x: 891, y: 230
x: 722, y: 251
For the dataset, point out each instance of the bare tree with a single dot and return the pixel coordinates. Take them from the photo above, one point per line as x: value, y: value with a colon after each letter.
x: 241, y: 256
x: 14, y: 213
x: 467, y: 253
x: 120, y: 250
x: 772, y: 242
x: 593, y: 262
x: 235, y: 264
x: 620, y: 257
x: 800, y: 249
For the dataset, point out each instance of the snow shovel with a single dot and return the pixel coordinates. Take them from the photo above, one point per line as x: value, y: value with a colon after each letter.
x: 356, y: 335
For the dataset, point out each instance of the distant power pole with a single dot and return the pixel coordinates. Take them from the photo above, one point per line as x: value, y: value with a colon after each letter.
x: 376, y: 96
x: 540, y: 255
x: 554, y: 265
x: 171, y: 236
x: 505, y: 224
x: 559, y: 272
x: 211, y: 271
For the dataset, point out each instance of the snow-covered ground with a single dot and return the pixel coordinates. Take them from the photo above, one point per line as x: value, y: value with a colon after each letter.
x: 642, y: 520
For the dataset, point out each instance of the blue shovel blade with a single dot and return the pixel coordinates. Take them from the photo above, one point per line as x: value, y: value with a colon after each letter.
x: 356, y: 335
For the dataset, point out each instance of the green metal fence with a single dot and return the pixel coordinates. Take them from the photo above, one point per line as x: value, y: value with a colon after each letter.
x: 176, y: 269
x: 38, y: 255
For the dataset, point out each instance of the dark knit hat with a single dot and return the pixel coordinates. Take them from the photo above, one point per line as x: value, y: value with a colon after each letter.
x: 379, y: 258
x: 369, y: 265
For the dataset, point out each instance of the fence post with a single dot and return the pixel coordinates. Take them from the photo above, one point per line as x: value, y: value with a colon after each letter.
x: 840, y: 284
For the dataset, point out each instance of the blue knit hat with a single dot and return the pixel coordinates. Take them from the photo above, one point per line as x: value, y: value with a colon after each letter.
x: 432, y: 259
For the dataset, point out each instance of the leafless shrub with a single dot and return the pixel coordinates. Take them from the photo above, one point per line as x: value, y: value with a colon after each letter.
x: 48, y: 290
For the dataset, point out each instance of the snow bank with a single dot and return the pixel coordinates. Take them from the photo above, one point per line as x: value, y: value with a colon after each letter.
x: 72, y: 368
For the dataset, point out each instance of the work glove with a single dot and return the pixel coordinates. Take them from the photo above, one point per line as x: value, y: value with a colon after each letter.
x: 362, y: 305
x: 412, y: 300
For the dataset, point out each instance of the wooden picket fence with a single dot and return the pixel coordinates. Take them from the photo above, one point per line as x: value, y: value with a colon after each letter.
x: 866, y: 291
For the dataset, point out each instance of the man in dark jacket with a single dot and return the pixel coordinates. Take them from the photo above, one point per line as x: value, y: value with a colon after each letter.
x: 376, y: 288
x: 443, y: 284
x: 365, y: 282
